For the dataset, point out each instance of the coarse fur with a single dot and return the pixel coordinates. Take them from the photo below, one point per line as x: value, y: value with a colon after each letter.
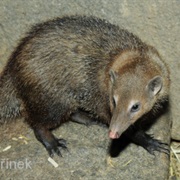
x: 81, y: 64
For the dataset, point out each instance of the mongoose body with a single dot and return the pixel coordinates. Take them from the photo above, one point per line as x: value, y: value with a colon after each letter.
x: 75, y: 67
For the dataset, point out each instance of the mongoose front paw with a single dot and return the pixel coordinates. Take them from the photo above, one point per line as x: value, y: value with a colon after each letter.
x: 157, y: 145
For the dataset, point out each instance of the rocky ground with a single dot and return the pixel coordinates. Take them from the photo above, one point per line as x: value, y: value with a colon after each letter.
x: 90, y: 155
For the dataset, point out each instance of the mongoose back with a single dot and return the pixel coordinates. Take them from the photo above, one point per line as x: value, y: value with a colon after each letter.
x: 76, y: 68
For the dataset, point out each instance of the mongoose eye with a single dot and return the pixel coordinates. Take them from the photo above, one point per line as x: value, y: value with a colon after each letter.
x: 114, y: 102
x: 135, y: 107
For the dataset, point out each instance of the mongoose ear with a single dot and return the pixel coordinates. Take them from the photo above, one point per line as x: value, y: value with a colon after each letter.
x: 113, y: 76
x: 155, y: 85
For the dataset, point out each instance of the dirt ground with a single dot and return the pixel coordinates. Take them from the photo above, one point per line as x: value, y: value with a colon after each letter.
x: 175, y: 161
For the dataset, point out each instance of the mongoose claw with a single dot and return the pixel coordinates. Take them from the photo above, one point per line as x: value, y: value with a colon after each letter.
x: 156, y: 145
x: 148, y: 142
x: 55, y: 147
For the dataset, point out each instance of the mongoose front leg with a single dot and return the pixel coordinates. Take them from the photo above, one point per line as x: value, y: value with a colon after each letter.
x: 50, y: 142
x: 82, y: 117
x: 148, y: 142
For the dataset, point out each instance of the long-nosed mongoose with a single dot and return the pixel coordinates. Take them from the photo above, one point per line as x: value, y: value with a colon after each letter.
x: 81, y: 67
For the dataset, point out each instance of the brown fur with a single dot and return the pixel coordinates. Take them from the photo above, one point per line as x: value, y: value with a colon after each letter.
x: 62, y: 66
x: 133, y: 73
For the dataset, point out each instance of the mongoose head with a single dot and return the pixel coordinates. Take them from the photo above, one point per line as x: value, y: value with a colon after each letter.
x: 135, y: 87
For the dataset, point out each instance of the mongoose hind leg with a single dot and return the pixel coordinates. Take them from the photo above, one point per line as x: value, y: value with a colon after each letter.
x: 50, y: 142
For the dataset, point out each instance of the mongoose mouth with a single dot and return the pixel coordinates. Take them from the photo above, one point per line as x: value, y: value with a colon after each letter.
x: 113, y: 135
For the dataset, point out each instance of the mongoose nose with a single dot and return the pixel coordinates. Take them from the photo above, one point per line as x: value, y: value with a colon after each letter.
x: 113, y: 135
